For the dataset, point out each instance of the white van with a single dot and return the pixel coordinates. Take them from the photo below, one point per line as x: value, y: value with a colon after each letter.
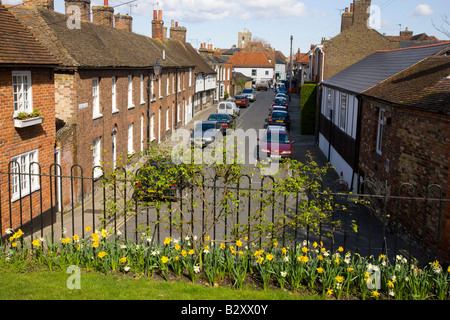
x: 228, y: 107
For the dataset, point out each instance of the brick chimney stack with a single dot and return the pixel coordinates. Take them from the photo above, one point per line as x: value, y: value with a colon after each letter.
x: 85, y: 8
x: 157, y: 25
x: 103, y: 15
x: 178, y: 33
x: 123, y: 22
x: 48, y: 4
x: 361, y: 12
x: 347, y: 19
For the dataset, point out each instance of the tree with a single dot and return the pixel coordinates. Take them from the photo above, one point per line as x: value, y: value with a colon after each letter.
x: 444, y: 26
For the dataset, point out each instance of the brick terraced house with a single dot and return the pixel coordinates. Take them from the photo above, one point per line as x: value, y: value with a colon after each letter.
x: 406, y: 139
x: 28, y: 145
x: 110, y: 105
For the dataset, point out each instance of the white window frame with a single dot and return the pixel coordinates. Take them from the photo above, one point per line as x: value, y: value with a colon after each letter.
x: 22, y: 92
x: 96, y: 157
x: 167, y: 119
x: 23, y: 172
x: 142, y: 134
x: 152, y: 127
x: 142, y: 89
x: 167, y: 85
x: 96, y: 98
x: 190, y: 77
x: 159, y: 88
x: 152, y: 91
x: 130, y: 139
x: 114, y: 95
x: 343, y: 111
x: 380, y: 128
x: 130, y: 92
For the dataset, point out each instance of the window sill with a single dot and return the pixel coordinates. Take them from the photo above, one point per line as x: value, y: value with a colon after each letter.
x: 98, y: 116
x: 142, y: 103
x: 131, y: 107
x: 24, y: 194
x: 115, y: 111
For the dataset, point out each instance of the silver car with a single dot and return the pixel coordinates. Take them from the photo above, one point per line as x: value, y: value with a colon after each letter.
x: 250, y: 93
x: 206, y: 132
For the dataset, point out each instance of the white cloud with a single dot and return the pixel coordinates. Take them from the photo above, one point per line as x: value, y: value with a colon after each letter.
x: 423, y: 10
x: 192, y: 11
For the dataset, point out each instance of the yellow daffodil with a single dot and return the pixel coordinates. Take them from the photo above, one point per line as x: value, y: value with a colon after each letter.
x: 207, y: 238
x: 315, y: 245
x: 320, y: 270
x: 191, y: 252
x: 320, y: 257
x: 284, y: 251
x: 164, y: 259
x: 123, y: 260
x: 104, y: 233
x: 304, y: 249
x: 329, y: 292
x: 88, y: 228
x: 183, y: 253
x: 260, y: 260
x: 14, y: 244
x: 241, y: 252
x: 390, y: 284
x: 36, y: 243
x: 167, y: 241
x: 239, y: 243
x: 65, y: 240
x: 303, y: 259
x: 75, y: 237
x: 177, y: 247
x: 269, y: 257
x: 222, y: 245
x: 340, y: 249
x: 95, y: 244
x: 275, y: 244
x: 349, y: 269
x: 339, y: 279
x: 375, y: 294
x: 102, y: 254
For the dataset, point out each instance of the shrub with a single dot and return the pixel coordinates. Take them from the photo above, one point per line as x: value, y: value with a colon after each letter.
x: 308, y: 108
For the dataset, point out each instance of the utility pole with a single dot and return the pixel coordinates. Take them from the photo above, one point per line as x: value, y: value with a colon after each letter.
x: 290, y: 72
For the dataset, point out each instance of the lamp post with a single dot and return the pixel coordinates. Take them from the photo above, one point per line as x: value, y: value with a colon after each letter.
x: 156, y: 71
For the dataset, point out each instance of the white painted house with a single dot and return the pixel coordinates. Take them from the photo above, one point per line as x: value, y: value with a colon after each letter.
x: 254, y: 65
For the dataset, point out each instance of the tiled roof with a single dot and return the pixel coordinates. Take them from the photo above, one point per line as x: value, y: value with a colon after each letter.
x: 249, y: 59
x: 17, y: 44
x: 426, y: 86
x: 98, y: 46
x: 380, y: 66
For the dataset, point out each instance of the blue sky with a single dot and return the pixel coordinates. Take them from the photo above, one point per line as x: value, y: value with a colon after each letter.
x: 218, y: 22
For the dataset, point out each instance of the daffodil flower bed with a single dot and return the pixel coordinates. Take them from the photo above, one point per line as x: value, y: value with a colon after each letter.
x: 308, y: 266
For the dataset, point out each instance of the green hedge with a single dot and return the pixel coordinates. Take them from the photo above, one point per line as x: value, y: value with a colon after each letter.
x: 308, y: 108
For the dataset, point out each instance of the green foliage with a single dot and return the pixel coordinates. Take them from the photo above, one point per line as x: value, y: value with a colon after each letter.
x: 308, y: 96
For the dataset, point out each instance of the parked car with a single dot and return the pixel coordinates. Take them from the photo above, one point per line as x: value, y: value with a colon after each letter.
x: 158, y: 180
x: 242, y: 101
x: 225, y: 120
x: 281, y: 95
x: 228, y: 107
x: 280, y: 102
x: 282, y: 89
x: 275, y: 144
x: 281, y: 118
x: 206, y: 132
x: 277, y: 108
x: 250, y: 93
x: 262, y: 86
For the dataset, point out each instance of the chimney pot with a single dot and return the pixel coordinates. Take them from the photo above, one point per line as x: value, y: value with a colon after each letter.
x: 160, y: 15
x: 155, y: 15
x: 123, y: 22
x: 346, y: 9
x: 158, y: 29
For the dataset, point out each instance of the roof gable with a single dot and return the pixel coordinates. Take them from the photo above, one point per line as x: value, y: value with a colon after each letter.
x: 249, y: 59
x: 17, y: 44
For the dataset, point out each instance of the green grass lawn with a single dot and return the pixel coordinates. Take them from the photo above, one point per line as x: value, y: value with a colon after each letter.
x: 38, y: 284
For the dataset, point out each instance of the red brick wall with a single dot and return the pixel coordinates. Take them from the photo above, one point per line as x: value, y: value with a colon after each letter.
x: 77, y: 141
x: 14, y: 141
x: 416, y: 143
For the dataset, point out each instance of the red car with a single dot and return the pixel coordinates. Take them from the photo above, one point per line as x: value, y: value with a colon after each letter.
x: 276, y: 144
x: 242, y: 101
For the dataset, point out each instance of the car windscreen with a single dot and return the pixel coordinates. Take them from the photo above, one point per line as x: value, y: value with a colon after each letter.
x: 219, y: 117
x: 204, y: 126
x: 280, y: 137
x: 247, y: 91
x: 239, y: 97
x: 279, y: 115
